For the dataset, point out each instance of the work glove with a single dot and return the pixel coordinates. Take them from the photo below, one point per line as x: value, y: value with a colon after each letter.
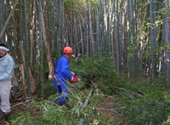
x: 72, y: 73
x: 74, y: 79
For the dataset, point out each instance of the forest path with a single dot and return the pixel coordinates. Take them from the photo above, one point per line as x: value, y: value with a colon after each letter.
x: 108, y: 109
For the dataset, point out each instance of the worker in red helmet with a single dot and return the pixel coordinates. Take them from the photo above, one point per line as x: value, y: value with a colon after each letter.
x: 62, y: 74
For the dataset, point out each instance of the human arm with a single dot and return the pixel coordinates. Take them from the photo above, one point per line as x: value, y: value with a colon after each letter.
x: 65, y: 69
x: 9, y: 66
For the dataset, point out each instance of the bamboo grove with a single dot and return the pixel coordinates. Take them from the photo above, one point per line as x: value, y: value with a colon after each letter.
x: 133, y: 33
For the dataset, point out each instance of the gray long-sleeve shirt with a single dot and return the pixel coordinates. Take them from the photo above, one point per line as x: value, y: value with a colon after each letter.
x: 6, y: 67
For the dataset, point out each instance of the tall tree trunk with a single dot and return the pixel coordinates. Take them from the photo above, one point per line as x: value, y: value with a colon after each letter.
x: 7, y: 21
x: 53, y: 20
x: 46, y: 43
x: 132, y: 34
x: 117, y: 39
x: 105, y: 17
x: 153, y: 37
x: 63, y: 26
x: 1, y: 17
x: 111, y: 32
x: 13, y: 35
x: 87, y: 32
x: 26, y: 46
x: 136, y: 59
x: 167, y: 40
x: 91, y: 28
x: 71, y: 26
x: 59, y: 28
x: 128, y: 29
x: 32, y: 31
x: 41, y: 45
x: 97, y: 26
x: 87, y: 39
x: 120, y: 35
x: 123, y: 33
x: 81, y: 39
x: 108, y: 28
x: 102, y: 28
x: 75, y: 35
x: 31, y: 85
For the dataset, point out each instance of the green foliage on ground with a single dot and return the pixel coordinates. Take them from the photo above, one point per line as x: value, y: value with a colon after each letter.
x: 143, y: 103
x: 137, y: 101
x: 98, y: 70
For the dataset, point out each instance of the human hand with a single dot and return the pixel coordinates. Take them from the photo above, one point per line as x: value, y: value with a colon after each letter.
x: 72, y: 73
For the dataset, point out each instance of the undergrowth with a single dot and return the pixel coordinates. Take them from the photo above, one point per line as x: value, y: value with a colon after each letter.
x: 146, y: 103
x: 136, y: 102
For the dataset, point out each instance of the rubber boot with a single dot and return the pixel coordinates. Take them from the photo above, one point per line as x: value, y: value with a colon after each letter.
x: 58, y: 102
x: 6, y: 119
x: 66, y: 104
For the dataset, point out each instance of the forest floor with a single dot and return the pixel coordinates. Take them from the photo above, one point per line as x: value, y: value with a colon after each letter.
x: 19, y: 104
x: 108, y: 109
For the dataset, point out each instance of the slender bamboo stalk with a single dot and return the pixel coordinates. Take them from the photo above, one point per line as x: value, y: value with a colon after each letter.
x: 167, y: 40
x: 111, y: 34
x: 7, y: 21
x: 153, y: 38
x: 117, y: 40
x: 59, y: 29
x: 63, y: 26
x: 102, y: 28
x: 108, y: 28
x: 75, y: 34
x: 39, y: 5
x: 120, y: 35
x: 26, y: 49
x: 1, y: 18
x: 123, y: 33
x: 32, y: 31
x: 91, y: 28
x: 97, y: 26
x: 53, y: 20
x: 128, y: 28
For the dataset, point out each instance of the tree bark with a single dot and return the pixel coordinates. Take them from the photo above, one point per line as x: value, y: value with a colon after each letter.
x: 1, y: 17
x: 91, y: 28
x: 153, y: 37
x: 27, y: 53
x: 47, y: 45
x: 128, y: 29
x: 7, y: 21
x: 167, y: 40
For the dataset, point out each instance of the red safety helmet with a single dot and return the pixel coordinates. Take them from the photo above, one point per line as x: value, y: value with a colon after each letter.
x: 68, y: 50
